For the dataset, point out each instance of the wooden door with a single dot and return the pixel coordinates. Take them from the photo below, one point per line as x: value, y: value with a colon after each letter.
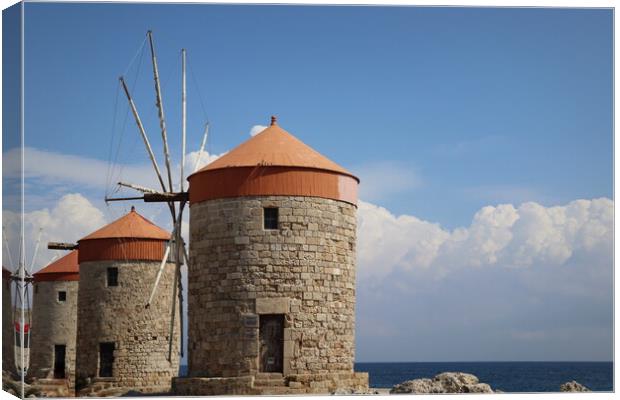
x: 271, y: 336
x: 60, y: 351
x: 106, y: 359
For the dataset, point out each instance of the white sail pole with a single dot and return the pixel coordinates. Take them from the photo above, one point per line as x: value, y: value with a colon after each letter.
x: 139, y: 188
x: 143, y: 133
x: 183, y: 116
x: 161, y: 270
x: 8, y: 251
x: 52, y: 259
x: 22, y: 290
x: 202, y: 146
x: 36, y: 250
x: 160, y: 108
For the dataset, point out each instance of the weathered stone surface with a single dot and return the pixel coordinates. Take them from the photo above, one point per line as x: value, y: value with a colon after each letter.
x: 13, y: 385
x: 573, y: 386
x: 342, y: 382
x: 117, y: 314
x: 55, y: 323
x: 305, y: 270
x: 447, y: 382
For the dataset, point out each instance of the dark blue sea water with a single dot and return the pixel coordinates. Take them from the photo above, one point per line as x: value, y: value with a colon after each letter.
x: 506, y: 376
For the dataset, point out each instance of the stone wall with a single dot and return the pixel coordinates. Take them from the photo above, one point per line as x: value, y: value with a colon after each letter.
x: 334, y: 382
x: 305, y: 270
x: 53, y: 323
x: 117, y: 314
x: 8, y: 353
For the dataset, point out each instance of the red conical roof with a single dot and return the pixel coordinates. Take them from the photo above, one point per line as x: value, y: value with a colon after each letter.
x: 275, y: 147
x: 131, y: 237
x: 273, y: 163
x: 63, y: 269
x: 130, y: 226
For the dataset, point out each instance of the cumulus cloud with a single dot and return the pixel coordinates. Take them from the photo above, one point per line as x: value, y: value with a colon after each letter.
x: 256, y: 129
x: 56, y: 169
x: 70, y: 219
x: 386, y: 241
x: 192, y: 158
x: 530, y: 235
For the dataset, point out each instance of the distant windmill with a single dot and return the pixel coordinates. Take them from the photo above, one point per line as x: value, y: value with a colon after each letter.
x: 21, y: 279
x: 175, y: 247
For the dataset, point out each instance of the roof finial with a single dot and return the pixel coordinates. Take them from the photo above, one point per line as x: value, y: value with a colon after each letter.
x: 274, y: 120
x: 133, y: 209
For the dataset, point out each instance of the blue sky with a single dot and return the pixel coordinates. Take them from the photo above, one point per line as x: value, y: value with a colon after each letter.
x: 504, y: 99
x: 441, y: 111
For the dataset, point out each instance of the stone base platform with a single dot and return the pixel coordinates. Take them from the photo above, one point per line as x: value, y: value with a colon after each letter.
x: 272, y: 384
x: 53, y: 387
x: 110, y: 387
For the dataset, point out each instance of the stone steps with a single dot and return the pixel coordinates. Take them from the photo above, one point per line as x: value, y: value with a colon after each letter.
x: 269, y: 375
x: 269, y: 383
x: 279, y: 390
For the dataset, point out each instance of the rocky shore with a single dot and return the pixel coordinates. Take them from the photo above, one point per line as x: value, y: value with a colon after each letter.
x: 460, y: 382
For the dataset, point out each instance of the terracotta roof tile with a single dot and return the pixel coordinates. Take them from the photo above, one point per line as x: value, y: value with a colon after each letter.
x: 131, y: 225
x: 66, y: 264
x: 275, y: 147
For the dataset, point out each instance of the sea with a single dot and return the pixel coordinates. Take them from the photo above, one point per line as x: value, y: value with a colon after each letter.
x: 505, y: 376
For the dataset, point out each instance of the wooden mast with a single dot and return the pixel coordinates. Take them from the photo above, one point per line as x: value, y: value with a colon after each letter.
x: 160, y: 108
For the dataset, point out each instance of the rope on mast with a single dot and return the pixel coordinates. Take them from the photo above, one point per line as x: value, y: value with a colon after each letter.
x: 112, y: 160
x: 143, y: 133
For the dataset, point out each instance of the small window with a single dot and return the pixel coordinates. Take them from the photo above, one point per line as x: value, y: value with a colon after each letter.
x: 112, y: 276
x: 106, y: 359
x: 62, y: 296
x: 271, y: 218
x: 36, y: 288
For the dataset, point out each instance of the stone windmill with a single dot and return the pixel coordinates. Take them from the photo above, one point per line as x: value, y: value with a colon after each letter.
x: 176, y: 201
x: 55, y: 317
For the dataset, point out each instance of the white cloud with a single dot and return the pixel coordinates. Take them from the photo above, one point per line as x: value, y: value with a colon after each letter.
x: 57, y: 169
x: 530, y: 235
x: 386, y: 242
x: 256, y: 129
x: 71, y: 218
x: 206, y: 158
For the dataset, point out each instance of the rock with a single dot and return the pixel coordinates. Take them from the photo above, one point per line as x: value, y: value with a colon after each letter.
x: 456, y: 382
x: 447, y: 382
x: 479, y: 388
x: 349, y: 391
x: 424, y: 385
x: 573, y: 386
